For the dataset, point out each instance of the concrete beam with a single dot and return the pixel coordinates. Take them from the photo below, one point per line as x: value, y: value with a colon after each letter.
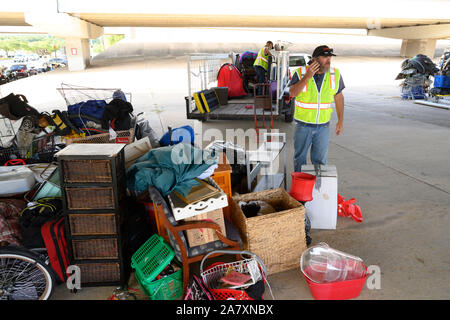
x: 63, y: 25
x: 436, y: 31
x: 410, y: 48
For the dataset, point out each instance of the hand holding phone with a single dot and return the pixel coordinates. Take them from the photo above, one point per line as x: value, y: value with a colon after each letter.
x: 314, y: 66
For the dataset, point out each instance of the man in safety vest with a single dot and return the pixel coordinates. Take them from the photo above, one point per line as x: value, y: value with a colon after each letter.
x: 261, y: 64
x: 315, y: 87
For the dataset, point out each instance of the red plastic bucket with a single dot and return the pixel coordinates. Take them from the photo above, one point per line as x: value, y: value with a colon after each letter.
x: 340, y: 290
x: 302, y: 186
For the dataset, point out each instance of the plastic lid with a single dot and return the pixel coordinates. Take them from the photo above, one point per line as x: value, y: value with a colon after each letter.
x: 321, y: 264
x: 151, y: 258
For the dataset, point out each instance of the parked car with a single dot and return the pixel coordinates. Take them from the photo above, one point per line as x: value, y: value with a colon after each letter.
x: 3, y: 76
x: 297, y: 60
x: 20, y: 58
x: 57, y: 62
x: 39, y: 65
x: 33, y: 57
x: 17, y: 71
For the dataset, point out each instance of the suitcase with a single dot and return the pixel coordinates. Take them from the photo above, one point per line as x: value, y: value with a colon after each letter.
x: 55, y: 242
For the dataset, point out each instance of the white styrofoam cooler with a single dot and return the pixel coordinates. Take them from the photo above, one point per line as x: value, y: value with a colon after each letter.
x: 322, y: 210
x: 15, y: 180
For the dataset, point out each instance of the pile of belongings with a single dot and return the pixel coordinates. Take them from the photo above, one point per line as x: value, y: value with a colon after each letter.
x: 23, y: 136
x: 97, y: 115
x: 416, y: 73
x: 442, y: 78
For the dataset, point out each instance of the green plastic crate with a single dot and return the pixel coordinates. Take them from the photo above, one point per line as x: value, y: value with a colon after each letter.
x: 148, y: 261
x: 167, y: 288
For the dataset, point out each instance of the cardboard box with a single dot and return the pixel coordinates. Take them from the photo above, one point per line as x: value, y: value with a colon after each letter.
x: 277, y: 238
x: 196, y: 237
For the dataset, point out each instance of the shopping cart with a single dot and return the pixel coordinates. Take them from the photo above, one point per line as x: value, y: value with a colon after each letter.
x: 253, y: 267
x: 90, y: 127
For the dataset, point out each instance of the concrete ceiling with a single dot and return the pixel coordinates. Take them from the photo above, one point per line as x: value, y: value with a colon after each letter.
x: 216, y: 20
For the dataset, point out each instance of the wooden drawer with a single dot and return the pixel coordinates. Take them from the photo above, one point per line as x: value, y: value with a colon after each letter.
x: 92, y: 224
x: 87, y: 171
x: 103, y: 272
x: 95, y: 249
x: 84, y: 198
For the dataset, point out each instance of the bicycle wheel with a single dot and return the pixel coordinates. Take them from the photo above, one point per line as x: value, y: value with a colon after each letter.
x: 23, y: 276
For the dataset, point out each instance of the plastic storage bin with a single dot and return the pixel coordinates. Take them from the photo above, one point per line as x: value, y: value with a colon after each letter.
x: 148, y: 261
x: 332, y: 274
x: 340, y: 290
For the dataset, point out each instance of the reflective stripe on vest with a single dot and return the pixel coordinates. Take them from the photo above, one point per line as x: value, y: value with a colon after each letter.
x: 310, y: 107
x: 261, y: 59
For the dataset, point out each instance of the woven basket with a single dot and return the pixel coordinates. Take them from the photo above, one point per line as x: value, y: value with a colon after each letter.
x: 92, y: 224
x: 99, y: 272
x: 277, y: 238
x: 95, y: 249
x: 82, y: 171
x: 90, y: 198
x: 125, y: 136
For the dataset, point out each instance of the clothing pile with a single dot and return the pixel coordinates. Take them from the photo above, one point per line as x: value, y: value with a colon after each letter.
x: 442, y: 78
x: 416, y: 73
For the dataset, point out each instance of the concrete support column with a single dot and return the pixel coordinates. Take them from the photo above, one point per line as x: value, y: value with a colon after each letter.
x: 412, y: 47
x: 78, y: 53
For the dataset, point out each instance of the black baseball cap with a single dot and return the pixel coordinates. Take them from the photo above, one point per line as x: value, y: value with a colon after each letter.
x: 323, y: 51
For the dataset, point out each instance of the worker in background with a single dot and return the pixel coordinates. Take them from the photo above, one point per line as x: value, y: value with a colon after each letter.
x: 261, y: 64
x: 315, y: 87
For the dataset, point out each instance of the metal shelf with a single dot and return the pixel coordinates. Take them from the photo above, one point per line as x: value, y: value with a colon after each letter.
x: 262, y: 158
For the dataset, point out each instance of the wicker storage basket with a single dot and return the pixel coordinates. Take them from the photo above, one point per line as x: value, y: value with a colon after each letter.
x: 277, y: 238
x: 92, y: 224
x: 125, y: 136
x: 95, y: 249
x: 99, y: 272
x: 90, y: 198
x: 85, y: 171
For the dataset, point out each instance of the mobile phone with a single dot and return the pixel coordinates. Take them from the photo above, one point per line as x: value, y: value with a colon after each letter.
x: 311, y: 61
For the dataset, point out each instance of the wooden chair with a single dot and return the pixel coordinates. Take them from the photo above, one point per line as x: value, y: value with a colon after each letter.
x: 175, y: 230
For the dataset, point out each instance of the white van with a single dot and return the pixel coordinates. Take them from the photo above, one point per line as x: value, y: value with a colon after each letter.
x: 297, y: 60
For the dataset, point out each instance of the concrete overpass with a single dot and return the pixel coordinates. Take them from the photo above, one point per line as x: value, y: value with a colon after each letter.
x: 419, y: 23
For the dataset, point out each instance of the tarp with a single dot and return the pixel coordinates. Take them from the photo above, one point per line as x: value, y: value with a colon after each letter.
x: 229, y: 76
x: 170, y: 168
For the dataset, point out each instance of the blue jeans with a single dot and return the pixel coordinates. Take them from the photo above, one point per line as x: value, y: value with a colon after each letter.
x: 261, y: 78
x: 310, y: 135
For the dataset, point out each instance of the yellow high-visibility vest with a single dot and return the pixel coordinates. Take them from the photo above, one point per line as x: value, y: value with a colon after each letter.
x: 262, y: 60
x: 310, y: 107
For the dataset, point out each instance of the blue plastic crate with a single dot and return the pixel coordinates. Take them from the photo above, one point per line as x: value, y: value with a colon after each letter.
x: 442, y: 82
x: 413, y: 93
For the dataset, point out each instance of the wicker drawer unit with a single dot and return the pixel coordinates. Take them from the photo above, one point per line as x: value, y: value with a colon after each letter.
x: 93, y: 184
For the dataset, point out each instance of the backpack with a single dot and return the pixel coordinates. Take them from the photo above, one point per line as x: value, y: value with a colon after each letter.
x: 54, y: 237
x: 183, y: 134
x: 15, y: 106
x: 34, y: 216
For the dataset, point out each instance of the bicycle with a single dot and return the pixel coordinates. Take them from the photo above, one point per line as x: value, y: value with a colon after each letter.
x: 25, y: 274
